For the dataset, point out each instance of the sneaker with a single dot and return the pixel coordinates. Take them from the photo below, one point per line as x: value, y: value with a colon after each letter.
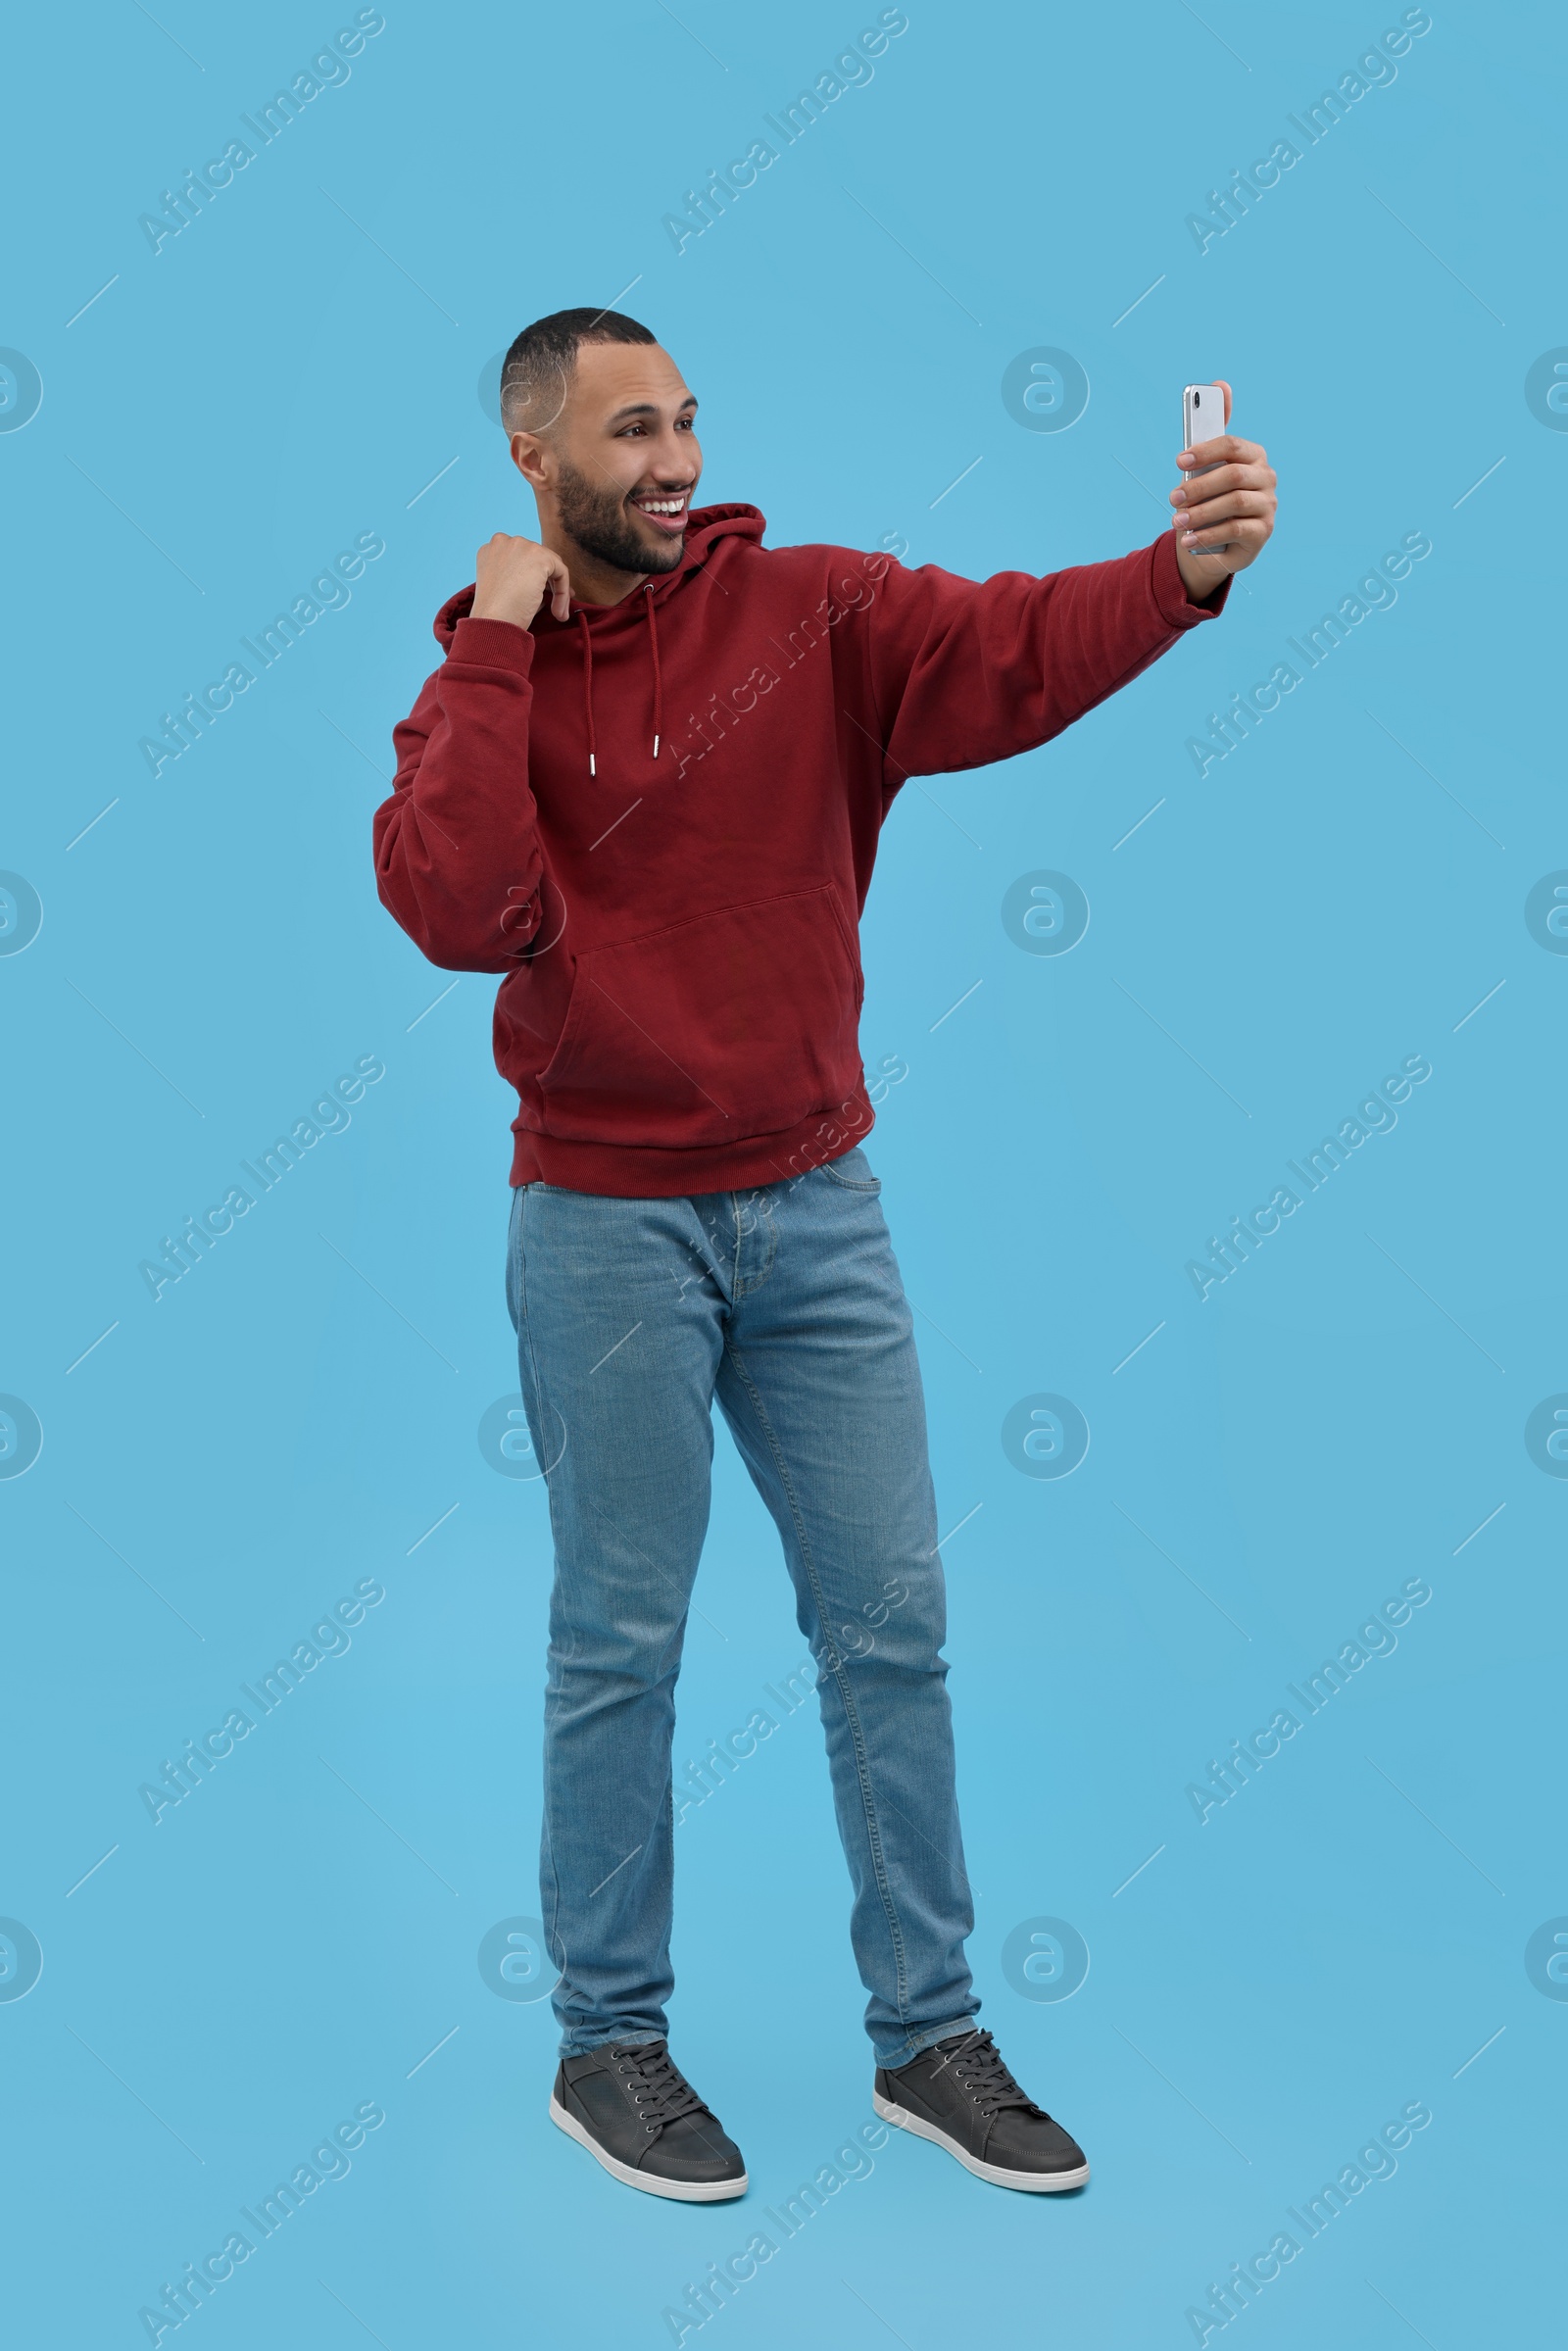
x: 636, y: 2114
x: 962, y: 2096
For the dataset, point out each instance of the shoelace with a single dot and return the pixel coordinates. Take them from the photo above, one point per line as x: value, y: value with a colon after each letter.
x: 977, y: 2064
x: 660, y: 2087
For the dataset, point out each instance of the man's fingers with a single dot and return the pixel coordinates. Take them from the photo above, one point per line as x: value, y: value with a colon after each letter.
x: 513, y: 575
x: 1219, y: 509
x: 1244, y: 533
x: 1224, y: 450
x: 1227, y: 515
x: 1223, y: 477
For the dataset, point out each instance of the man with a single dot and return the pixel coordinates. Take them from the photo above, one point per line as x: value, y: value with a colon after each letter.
x: 645, y: 785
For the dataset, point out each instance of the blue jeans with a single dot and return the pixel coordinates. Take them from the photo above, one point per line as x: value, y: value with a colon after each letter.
x: 786, y: 1303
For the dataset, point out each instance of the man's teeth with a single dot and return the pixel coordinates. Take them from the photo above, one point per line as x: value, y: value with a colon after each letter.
x: 661, y: 506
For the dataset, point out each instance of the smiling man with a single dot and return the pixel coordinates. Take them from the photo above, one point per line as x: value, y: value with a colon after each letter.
x: 645, y: 786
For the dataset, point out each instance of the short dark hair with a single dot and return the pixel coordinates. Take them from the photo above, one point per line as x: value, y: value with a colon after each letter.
x: 537, y: 370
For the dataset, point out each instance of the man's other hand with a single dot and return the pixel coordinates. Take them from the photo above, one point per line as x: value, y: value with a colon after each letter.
x: 512, y: 576
x: 1240, y: 494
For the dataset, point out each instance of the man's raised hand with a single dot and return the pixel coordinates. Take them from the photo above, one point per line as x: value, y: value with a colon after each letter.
x: 513, y: 578
x: 1240, y: 494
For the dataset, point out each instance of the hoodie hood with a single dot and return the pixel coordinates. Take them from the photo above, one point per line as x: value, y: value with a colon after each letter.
x: 706, y: 525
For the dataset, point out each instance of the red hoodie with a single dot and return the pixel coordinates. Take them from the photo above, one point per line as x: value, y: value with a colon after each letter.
x: 658, y: 819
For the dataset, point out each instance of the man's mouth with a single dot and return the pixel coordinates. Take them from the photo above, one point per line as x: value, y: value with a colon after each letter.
x: 667, y: 512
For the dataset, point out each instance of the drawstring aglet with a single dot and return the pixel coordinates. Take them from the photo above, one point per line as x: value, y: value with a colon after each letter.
x: 656, y: 747
x: 591, y: 767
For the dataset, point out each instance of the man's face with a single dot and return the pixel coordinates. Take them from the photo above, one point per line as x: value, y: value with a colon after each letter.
x: 624, y: 463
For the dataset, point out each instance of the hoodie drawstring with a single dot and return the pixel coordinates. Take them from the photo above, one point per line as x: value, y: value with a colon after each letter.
x: 653, y: 645
x: 588, y: 680
x: 588, y: 686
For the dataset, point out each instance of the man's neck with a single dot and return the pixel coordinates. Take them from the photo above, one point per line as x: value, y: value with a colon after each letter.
x: 593, y: 581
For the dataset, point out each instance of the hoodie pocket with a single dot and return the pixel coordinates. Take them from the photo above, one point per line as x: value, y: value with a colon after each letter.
x: 711, y: 1031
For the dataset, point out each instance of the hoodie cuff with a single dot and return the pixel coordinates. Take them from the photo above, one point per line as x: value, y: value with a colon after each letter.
x: 492, y: 645
x: 1176, y: 607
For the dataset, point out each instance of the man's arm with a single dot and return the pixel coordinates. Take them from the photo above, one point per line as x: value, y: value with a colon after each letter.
x: 966, y: 672
x: 457, y: 861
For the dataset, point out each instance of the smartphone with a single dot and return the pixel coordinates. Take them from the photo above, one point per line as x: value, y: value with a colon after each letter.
x: 1203, y: 419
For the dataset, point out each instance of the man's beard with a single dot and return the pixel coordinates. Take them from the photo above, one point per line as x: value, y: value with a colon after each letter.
x: 595, y: 517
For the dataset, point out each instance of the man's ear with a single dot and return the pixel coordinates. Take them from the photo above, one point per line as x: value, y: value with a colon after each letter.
x: 530, y: 456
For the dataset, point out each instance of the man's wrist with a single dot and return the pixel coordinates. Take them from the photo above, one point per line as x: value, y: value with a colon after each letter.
x: 512, y: 618
x: 1201, y: 585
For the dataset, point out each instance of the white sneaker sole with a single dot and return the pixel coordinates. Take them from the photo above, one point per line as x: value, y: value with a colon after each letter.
x: 681, y: 2191
x: 1038, y: 2183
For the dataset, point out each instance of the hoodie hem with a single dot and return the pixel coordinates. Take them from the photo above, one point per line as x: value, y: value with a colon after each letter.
x: 628, y: 1171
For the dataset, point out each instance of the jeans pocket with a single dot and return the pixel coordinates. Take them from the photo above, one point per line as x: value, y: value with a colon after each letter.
x: 852, y: 1170
x: 515, y: 1258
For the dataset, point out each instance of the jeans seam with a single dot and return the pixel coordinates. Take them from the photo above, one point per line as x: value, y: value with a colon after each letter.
x: 841, y: 1680
x: 710, y: 1266
x: 914, y: 2044
x: 745, y: 1288
x: 552, y: 1935
x: 826, y: 1168
x: 641, y: 2041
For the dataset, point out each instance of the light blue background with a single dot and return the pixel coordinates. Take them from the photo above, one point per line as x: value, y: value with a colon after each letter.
x: 293, y: 369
